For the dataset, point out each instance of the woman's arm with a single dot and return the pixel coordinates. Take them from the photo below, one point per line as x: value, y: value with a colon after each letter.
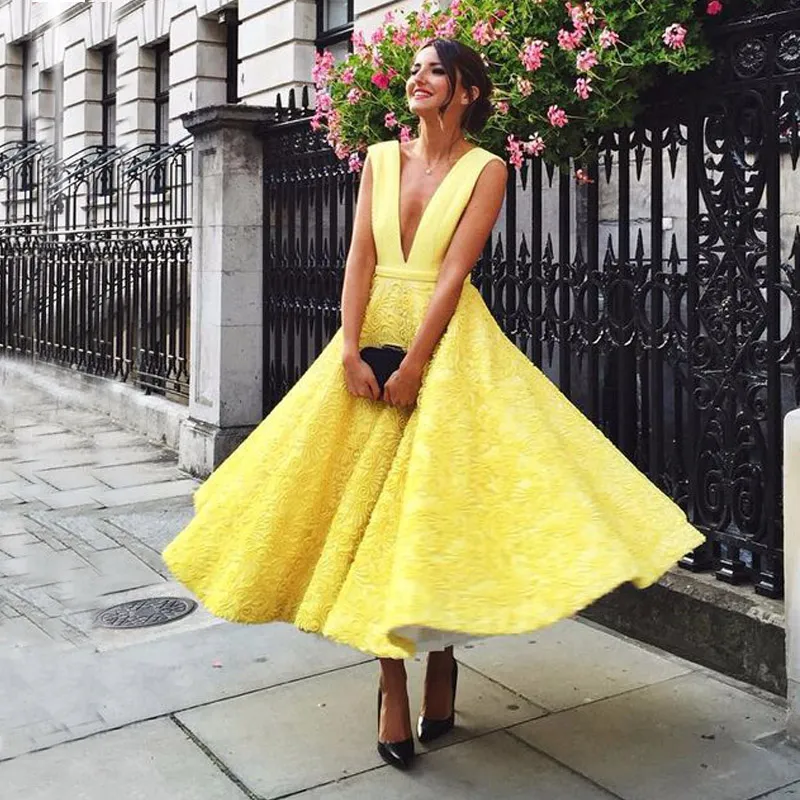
x: 358, y: 272
x: 465, y: 248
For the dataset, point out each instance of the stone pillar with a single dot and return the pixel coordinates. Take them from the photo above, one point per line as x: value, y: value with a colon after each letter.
x: 225, y: 393
x: 791, y: 548
x: 83, y: 110
x: 10, y: 92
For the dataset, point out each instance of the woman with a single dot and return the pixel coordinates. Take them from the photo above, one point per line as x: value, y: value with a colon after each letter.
x: 468, y: 497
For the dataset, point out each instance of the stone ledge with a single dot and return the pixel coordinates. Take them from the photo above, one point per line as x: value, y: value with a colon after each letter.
x: 212, y: 118
x: 730, y: 629
x: 155, y: 417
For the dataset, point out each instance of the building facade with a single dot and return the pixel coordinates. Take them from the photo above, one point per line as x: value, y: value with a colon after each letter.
x: 77, y: 75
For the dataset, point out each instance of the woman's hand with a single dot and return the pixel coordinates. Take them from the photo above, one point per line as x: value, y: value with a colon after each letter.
x: 403, y: 386
x: 360, y: 378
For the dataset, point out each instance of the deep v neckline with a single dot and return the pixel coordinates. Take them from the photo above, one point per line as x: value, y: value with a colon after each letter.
x: 399, y: 166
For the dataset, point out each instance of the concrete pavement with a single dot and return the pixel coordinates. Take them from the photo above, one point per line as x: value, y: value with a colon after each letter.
x: 200, y: 709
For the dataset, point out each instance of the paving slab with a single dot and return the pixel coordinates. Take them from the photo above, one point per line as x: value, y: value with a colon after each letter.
x: 147, y: 493
x: 68, y: 478
x: 80, y: 498
x: 149, y: 679
x: 123, y: 476
x: 21, y: 632
x: 154, y: 527
x: 494, y: 767
x: 569, y: 664
x: 8, y: 475
x: 690, y: 737
x: 310, y: 732
x: 82, y: 527
x: 150, y: 761
x: 787, y: 793
x: 18, y: 545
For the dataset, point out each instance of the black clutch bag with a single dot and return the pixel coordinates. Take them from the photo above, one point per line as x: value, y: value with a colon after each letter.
x: 383, y: 361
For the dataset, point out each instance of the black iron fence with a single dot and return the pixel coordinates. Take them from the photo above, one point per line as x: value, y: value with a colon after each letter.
x: 94, y: 261
x: 662, y: 298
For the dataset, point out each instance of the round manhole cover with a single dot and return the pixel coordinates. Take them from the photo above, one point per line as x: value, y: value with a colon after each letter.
x: 145, y: 613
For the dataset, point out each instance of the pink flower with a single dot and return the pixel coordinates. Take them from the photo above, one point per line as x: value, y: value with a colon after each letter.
x: 400, y: 36
x: 515, y: 151
x: 482, y: 32
x: 378, y: 35
x: 586, y: 60
x: 324, y: 102
x: 455, y: 8
x: 348, y: 76
x: 359, y: 43
x: 557, y: 116
x: 381, y: 80
x: 714, y: 8
x: 532, y: 54
x: 425, y: 20
x: 388, y: 18
x: 524, y: 86
x: 342, y: 151
x: 608, y: 38
x: 405, y: 133
x: 581, y: 15
x: 446, y: 28
x: 323, y: 67
x: 675, y: 36
x: 354, y: 163
x: 582, y: 176
x: 534, y: 146
x: 502, y: 106
x: 354, y: 95
x: 569, y: 40
x: 583, y: 88
x: 390, y: 120
x: 316, y: 122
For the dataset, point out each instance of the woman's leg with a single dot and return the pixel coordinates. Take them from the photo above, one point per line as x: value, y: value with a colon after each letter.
x: 438, y: 700
x: 395, y: 722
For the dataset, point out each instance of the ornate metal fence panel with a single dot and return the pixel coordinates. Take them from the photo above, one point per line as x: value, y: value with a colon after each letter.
x: 94, y: 261
x: 309, y: 202
x: 662, y: 298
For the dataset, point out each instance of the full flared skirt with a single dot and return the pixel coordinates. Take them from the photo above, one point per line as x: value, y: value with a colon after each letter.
x: 493, y: 507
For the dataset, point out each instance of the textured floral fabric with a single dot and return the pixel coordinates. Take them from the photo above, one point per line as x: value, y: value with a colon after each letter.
x: 494, y: 507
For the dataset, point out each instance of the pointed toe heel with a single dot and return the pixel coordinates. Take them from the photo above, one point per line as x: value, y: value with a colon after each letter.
x: 399, y: 755
x: 430, y: 729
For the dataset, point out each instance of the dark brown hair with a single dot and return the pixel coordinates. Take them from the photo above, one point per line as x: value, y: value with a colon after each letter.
x: 458, y: 59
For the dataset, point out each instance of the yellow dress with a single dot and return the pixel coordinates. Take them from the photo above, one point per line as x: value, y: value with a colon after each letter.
x: 493, y: 507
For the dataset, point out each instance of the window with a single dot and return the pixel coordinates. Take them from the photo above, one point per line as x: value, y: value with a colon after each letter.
x: 230, y: 18
x: 334, y: 26
x: 109, y: 100
x: 162, y: 93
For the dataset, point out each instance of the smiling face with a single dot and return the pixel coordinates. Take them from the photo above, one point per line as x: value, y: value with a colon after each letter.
x: 428, y: 87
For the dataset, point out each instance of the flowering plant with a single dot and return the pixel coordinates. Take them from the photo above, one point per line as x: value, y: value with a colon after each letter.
x: 562, y: 72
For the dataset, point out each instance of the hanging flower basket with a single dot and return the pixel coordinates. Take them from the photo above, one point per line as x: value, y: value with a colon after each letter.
x: 563, y: 72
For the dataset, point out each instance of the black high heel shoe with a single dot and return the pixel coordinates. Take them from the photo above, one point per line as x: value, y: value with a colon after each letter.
x: 396, y: 754
x: 430, y: 729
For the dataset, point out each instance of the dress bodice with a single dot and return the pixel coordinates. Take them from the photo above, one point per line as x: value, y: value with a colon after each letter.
x: 439, y: 218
